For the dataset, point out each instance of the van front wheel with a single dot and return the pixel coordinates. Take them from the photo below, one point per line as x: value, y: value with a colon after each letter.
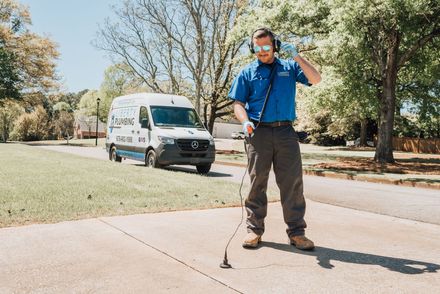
x: 151, y: 159
x: 203, y: 168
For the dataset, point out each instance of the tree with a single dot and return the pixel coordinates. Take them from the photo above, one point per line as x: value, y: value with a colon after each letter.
x: 391, y: 33
x: 62, y: 106
x: 179, y: 47
x: 64, y: 124
x: 88, y: 103
x: 87, y: 109
x: 32, y: 126
x: 384, y: 36
x: 117, y: 81
x: 9, y: 77
x: 9, y: 112
x: 72, y: 99
x: 26, y: 60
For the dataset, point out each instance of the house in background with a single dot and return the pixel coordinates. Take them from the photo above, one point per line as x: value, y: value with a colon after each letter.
x: 224, y: 128
x: 85, y: 127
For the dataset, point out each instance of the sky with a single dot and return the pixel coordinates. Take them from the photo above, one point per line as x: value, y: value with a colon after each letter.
x: 73, y: 24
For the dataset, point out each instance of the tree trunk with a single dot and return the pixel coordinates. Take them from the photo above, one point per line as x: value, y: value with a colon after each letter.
x: 4, y: 129
x: 384, y: 148
x: 205, y: 115
x: 212, y: 119
x: 198, y: 91
x: 364, y: 124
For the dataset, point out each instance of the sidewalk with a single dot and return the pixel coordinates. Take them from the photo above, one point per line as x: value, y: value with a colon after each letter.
x: 180, y: 252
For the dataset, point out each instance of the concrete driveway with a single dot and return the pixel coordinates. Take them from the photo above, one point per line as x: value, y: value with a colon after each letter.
x: 180, y: 252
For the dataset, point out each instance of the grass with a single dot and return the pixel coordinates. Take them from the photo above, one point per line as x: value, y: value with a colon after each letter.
x: 72, y: 142
x: 42, y: 186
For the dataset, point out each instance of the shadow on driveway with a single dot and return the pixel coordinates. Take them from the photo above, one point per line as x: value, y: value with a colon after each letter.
x: 190, y: 170
x: 211, y: 174
x: 325, y: 255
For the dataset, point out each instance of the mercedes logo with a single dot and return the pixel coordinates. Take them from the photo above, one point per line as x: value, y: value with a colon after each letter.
x: 195, y: 144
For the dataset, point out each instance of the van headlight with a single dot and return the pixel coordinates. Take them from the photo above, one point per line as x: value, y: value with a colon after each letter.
x: 166, y: 140
x: 211, y: 141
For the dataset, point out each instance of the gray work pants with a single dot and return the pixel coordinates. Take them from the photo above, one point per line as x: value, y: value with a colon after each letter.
x: 277, y: 145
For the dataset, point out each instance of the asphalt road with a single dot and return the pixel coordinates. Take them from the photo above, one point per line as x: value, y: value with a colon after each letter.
x: 399, y: 201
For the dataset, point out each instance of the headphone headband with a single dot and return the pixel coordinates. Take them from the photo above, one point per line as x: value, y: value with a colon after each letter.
x: 276, y: 43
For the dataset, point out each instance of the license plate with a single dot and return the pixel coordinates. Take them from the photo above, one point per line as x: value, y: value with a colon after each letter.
x: 195, y: 160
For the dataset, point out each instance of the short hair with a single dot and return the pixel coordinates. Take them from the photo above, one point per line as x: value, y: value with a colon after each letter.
x: 263, y: 32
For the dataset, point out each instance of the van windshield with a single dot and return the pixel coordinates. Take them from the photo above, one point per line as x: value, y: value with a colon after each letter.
x: 167, y: 116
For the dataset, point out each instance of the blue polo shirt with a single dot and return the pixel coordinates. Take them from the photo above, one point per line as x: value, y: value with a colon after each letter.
x: 251, y: 84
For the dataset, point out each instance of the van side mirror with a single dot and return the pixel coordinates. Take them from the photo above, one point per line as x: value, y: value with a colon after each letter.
x: 145, y: 124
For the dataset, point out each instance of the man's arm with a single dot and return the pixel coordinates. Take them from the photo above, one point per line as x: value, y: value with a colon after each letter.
x: 309, y: 70
x: 240, y: 112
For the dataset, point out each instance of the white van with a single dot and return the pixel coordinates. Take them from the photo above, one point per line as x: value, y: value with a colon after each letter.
x: 159, y: 130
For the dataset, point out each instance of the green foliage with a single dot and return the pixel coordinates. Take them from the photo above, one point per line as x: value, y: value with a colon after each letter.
x: 88, y: 103
x: 26, y: 60
x: 117, y: 81
x: 63, y: 124
x: 62, y: 106
x: 352, y: 42
x: 72, y: 99
x: 9, y: 77
x: 9, y: 112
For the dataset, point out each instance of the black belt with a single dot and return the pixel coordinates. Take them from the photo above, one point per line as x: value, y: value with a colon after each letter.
x: 272, y: 124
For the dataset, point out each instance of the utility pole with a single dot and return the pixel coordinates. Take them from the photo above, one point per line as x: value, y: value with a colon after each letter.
x: 97, y: 119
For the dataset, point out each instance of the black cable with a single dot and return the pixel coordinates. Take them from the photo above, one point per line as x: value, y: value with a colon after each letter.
x: 225, y: 263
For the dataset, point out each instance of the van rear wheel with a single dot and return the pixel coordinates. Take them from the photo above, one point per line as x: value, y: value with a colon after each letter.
x: 114, y: 156
x: 151, y: 159
x: 203, y: 168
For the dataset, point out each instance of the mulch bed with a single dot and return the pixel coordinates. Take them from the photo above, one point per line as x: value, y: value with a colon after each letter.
x: 401, y: 166
x: 228, y: 152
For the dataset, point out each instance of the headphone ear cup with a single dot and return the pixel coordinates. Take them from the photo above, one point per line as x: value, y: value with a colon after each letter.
x: 251, y: 47
x: 277, y: 45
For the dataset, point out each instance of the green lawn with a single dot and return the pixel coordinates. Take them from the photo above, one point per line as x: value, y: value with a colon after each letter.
x: 42, y: 186
x: 72, y: 142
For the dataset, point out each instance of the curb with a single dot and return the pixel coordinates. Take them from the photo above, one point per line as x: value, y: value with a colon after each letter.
x: 352, y: 177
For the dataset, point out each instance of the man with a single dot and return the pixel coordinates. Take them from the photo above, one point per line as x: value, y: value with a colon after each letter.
x: 270, y: 135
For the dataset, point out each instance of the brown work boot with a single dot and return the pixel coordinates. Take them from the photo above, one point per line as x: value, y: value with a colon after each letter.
x: 251, y: 240
x: 301, y: 242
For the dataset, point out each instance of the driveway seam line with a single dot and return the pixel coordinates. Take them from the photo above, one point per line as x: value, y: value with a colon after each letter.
x: 170, y: 256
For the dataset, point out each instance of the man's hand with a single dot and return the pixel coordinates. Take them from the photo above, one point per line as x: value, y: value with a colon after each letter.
x: 248, y: 128
x: 289, y: 49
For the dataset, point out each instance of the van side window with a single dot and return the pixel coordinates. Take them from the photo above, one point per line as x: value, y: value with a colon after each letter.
x: 143, y: 117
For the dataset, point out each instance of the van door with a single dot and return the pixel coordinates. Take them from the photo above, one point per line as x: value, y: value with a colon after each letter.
x: 125, y: 123
x: 144, y: 133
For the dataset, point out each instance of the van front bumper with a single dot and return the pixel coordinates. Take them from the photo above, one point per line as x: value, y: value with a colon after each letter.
x: 171, y: 154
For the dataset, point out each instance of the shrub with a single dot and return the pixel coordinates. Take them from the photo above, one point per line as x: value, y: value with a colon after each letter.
x: 32, y: 126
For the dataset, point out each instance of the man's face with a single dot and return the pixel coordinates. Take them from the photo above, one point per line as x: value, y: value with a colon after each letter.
x: 264, y: 56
